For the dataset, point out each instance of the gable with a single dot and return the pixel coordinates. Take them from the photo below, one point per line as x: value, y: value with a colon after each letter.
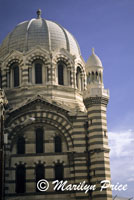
x: 38, y: 103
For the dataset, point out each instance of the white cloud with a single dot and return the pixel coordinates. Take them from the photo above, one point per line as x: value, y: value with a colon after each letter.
x: 122, y: 159
x: 121, y: 143
x: 131, y: 179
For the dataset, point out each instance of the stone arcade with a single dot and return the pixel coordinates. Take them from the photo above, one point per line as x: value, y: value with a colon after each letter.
x: 56, y: 113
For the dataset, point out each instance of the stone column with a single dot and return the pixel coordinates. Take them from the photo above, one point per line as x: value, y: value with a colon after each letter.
x: 71, y: 78
x: 8, y: 78
x: 4, y: 79
x: 68, y: 76
x: 24, y: 75
x: 53, y: 74
x: 82, y: 82
x: 30, y: 80
x: 49, y: 74
x: 74, y: 78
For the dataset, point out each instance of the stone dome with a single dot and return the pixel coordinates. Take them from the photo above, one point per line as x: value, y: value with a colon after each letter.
x: 40, y: 57
x: 94, y: 60
x: 47, y: 34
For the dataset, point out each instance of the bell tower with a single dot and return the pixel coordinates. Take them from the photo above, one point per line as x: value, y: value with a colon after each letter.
x: 96, y: 100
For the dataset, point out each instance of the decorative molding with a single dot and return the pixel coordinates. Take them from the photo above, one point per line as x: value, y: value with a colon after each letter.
x: 14, y: 59
x: 19, y: 122
x: 64, y: 58
x: 58, y: 161
x: 91, y: 101
x: 37, y: 53
x: 39, y: 162
x: 20, y: 163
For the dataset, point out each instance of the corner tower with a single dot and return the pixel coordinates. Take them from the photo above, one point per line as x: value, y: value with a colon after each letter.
x: 96, y: 100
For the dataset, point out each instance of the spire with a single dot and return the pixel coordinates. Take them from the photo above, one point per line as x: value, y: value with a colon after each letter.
x: 38, y: 13
x: 93, y: 51
x: 94, y: 60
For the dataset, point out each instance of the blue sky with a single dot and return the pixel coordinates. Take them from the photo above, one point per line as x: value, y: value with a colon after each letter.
x: 108, y: 26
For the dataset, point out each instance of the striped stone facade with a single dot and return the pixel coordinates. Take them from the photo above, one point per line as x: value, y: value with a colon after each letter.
x: 85, y: 152
x: 74, y: 110
x: 98, y: 144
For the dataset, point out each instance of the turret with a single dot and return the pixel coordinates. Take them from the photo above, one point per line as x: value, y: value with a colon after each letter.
x: 94, y: 71
x: 96, y: 99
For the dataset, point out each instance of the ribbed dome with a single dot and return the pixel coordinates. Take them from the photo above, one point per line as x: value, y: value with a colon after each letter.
x: 94, y: 60
x: 49, y: 35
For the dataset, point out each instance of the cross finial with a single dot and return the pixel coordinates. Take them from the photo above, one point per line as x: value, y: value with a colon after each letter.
x: 38, y: 13
x: 92, y: 50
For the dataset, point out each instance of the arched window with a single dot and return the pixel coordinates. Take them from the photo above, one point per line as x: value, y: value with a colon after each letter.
x: 78, y: 79
x: 39, y: 140
x: 97, y: 76
x: 59, y: 172
x: 62, y: 74
x: 40, y: 174
x: 20, y: 179
x: 38, y: 73
x: 88, y: 78
x: 58, y: 144
x: 21, y: 145
x: 92, y: 76
x: 14, y: 75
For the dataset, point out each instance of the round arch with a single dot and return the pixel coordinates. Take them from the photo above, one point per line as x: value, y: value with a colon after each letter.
x: 59, y: 122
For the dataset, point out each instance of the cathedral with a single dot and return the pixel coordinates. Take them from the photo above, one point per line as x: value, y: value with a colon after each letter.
x: 53, y: 115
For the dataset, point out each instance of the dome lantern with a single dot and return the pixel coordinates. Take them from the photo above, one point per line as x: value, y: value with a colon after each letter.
x: 38, y: 13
